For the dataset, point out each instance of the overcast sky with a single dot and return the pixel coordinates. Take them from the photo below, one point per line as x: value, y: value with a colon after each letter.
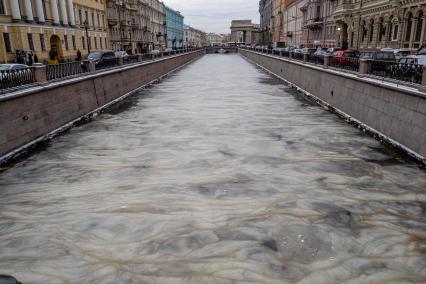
x: 215, y: 15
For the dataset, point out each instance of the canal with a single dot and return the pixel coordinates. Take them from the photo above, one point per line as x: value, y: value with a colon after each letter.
x: 219, y: 174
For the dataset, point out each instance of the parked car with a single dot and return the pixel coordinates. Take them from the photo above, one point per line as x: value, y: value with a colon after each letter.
x: 378, y: 55
x: 413, y: 59
x: 309, y: 51
x: 297, y: 50
x: 101, y: 59
x: 121, y: 54
x: 343, y: 57
x: 155, y: 52
x: 399, y: 53
x: 321, y: 52
x: 5, y: 67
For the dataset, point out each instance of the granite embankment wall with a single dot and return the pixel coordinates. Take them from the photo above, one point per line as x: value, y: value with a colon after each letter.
x: 396, y: 113
x: 27, y: 116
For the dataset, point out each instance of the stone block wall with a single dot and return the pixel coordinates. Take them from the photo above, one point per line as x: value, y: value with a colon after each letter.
x: 397, y: 112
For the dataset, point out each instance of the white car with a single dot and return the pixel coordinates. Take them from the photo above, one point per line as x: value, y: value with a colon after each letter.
x: 413, y: 59
x: 4, y: 67
x: 399, y: 53
x: 121, y: 54
x: 168, y: 50
x: 155, y: 52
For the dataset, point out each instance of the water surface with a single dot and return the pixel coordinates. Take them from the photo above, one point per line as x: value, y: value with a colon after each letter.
x: 220, y: 174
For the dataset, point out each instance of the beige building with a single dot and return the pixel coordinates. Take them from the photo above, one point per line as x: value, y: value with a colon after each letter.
x: 128, y: 22
x: 293, y: 22
x: 158, y: 24
x: 377, y: 24
x: 193, y: 37
x: 45, y: 25
x: 245, y: 31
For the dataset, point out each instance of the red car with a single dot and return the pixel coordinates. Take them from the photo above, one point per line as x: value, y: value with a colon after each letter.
x: 343, y: 56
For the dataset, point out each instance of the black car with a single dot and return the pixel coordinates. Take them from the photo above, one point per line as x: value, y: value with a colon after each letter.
x: 102, y: 59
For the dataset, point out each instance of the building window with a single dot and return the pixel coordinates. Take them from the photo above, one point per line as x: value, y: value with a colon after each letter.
x: 30, y: 41
x: 408, y: 29
x: 93, y: 20
x: 87, y: 16
x: 371, y: 31
x: 395, y: 29
x: 43, y: 3
x: 80, y: 16
x: 74, y: 45
x: 106, y: 44
x: 2, y: 9
x: 99, y: 20
x: 103, y: 20
x: 42, y: 42
x: 83, y: 42
x: 419, y: 26
x: 7, y: 44
x: 100, y: 42
x: 89, y: 42
x: 96, y: 42
x: 66, y: 42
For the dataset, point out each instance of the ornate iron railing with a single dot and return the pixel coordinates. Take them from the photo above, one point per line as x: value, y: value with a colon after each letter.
x: 10, y: 79
x: 298, y: 56
x: 412, y: 73
x: 316, y: 59
x: 347, y: 63
x: 64, y: 70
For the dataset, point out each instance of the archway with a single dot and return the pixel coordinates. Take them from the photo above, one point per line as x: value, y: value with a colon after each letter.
x: 56, y: 46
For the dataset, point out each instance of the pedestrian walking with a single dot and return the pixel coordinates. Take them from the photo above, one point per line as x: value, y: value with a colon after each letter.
x: 78, y: 55
x: 30, y: 59
x: 35, y: 58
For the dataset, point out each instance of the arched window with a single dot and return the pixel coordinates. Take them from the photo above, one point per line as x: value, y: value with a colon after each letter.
x: 371, y: 30
x: 382, y: 30
x: 409, y: 25
x: 2, y: 8
x: 419, y: 26
x: 363, y: 31
x: 395, y: 29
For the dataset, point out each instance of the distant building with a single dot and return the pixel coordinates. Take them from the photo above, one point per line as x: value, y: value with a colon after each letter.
x: 194, y: 37
x: 277, y: 27
x: 174, y: 26
x: 213, y: 39
x: 293, y: 22
x: 245, y: 31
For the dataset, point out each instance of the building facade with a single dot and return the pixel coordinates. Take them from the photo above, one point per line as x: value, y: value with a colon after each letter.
x: 128, y: 21
x: 174, y: 25
x: 277, y: 27
x: 265, y: 10
x: 244, y: 31
x: 319, y: 28
x: 376, y: 24
x: 214, y: 39
x: 52, y: 28
x: 194, y: 37
x: 293, y: 22
x: 157, y: 24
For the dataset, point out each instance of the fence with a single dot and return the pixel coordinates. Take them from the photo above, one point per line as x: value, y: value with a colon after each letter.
x: 412, y: 73
x: 346, y: 63
x: 64, y: 70
x: 402, y: 73
x: 10, y: 79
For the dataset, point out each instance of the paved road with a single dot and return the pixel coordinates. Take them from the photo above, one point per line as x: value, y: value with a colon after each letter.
x: 220, y: 174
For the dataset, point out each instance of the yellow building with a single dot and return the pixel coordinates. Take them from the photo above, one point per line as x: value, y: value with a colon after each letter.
x: 45, y: 25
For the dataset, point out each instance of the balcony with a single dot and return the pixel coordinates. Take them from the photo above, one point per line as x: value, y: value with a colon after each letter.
x: 313, y: 24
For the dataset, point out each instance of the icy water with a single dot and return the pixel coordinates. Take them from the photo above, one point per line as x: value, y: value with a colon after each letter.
x: 219, y: 174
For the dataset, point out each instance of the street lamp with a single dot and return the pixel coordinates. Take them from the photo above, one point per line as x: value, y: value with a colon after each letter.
x: 86, y: 27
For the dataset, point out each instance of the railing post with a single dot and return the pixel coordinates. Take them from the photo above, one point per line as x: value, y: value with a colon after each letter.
x: 92, y: 66
x: 120, y: 61
x: 40, y: 73
x: 305, y: 57
x: 363, y: 67
x: 326, y: 61
x: 140, y: 57
x: 422, y: 87
x: 281, y: 53
x: 161, y: 54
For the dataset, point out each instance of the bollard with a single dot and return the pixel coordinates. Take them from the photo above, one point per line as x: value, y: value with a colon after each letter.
x: 40, y: 73
x: 326, y: 61
x: 120, y: 61
x: 363, y: 67
x: 305, y: 57
x: 422, y: 87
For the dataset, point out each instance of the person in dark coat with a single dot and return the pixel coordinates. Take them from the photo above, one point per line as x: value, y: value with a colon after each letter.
x: 35, y: 58
x: 30, y: 59
x: 78, y: 55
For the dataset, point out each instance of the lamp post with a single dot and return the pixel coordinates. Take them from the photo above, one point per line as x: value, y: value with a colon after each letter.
x: 86, y: 27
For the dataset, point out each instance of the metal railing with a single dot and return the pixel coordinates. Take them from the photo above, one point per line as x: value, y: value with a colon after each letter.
x: 412, y: 73
x: 298, y: 56
x: 316, y: 59
x: 10, y: 79
x: 64, y: 70
x: 346, y: 63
